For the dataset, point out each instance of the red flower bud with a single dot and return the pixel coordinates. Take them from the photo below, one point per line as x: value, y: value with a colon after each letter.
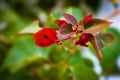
x: 84, y: 38
x: 45, y: 37
x: 60, y: 22
x: 87, y: 18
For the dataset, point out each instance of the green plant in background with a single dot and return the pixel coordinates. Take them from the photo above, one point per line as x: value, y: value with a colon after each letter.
x: 21, y: 59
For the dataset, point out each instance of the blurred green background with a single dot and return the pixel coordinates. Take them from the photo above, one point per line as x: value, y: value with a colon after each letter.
x: 21, y: 59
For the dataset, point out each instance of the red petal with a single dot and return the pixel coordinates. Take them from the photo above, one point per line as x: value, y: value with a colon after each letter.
x: 60, y: 22
x: 87, y: 18
x: 45, y: 37
x: 84, y: 38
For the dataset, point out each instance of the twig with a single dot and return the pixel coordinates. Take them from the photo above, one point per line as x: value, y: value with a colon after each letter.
x: 64, y: 63
x: 21, y: 34
x: 115, y: 13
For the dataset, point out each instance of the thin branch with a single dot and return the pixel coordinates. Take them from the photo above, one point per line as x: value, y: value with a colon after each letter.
x: 21, y: 34
x: 71, y: 53
x: 64, y: 63
x: 115, y: 13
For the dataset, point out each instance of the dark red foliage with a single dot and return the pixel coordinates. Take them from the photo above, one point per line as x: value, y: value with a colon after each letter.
x: 84, y: 38
x: 45, y: 37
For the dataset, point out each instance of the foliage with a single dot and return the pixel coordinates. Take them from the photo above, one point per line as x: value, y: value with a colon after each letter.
x: 21, y: 59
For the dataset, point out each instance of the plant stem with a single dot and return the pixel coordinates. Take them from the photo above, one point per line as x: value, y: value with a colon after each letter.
x: 115, y: 13
x: 63, y: 63
x: 21, y: 34
x: 71, y: 54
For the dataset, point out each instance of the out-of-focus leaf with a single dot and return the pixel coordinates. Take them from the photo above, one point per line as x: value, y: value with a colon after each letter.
x: 110, y: 54
x: 21, y: 75
x: 71, y: 10
x: 31, y: 28
x: 88, y: 63
x: 96, y: 25
x: 82, y: 72
x: 71, y: 19
x: 56, y: 73
x: 76, y: 58
x: 61, y: 72
x: 60, y: 53
x: 51, y: 22
x: 14, y: 22
x: 101, y: 40
x: 77, y: 13
x: 104, y: 39
x: 24, y: 52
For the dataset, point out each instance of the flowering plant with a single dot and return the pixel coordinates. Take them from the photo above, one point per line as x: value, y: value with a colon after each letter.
x: 87, y: 30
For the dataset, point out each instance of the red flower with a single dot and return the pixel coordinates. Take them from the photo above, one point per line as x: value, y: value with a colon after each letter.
x: 45, y: 37
x: 84, y: 38
x: 61, y: 22
x: 87, y: 18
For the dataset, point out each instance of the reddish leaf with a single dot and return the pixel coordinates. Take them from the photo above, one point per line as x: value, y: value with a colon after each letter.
x: 62, y: 37
x: 96, y: 47
x: 104, y: 39
x: 71, y: 19
x: 95, y: 25
x: 87, y: 18
x: 101, y: 40
x: 66, y: 29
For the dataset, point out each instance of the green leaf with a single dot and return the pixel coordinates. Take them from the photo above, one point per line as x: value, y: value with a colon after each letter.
x: 14, y: 22
x: 23, y: 53
x: 21, y: 75
x: 31, y: 28
x: 75, y: 12
x: 110, y: 54
x: 82, y: 72
x: 76, y: 58
x: 51, y: 22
